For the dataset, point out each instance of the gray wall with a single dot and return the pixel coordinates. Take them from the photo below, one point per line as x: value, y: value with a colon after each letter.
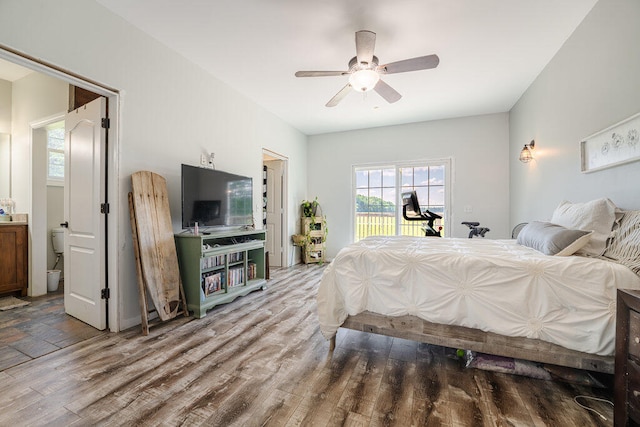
x: 478, y: 147
x: 592, y: 83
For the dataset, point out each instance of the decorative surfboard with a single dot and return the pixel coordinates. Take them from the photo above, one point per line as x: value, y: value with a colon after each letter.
x: 154, y: 246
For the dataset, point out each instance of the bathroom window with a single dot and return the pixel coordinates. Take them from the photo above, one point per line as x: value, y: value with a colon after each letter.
x: 55, y: 153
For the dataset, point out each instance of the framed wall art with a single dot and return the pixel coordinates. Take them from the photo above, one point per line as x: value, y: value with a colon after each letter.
x: 613, y: 146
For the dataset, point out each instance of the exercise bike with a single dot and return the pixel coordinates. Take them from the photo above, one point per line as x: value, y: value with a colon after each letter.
x: 411, y: 212
x: 475, y: 229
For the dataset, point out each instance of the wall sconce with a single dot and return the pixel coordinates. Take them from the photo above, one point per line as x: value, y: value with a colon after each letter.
x: 525, y: 154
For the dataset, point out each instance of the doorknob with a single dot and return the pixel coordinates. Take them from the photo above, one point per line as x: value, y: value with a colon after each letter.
x: 64, y: 224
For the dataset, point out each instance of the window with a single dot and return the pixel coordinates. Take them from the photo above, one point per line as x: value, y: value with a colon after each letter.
x: 55, y: 152
x: 378, y: 197
x: 428, y: 183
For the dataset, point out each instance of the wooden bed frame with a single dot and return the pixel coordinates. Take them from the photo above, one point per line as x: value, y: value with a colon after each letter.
x: 416, y: 329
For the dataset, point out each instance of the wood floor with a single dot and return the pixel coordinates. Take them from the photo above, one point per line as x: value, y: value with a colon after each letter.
x: 261, y: 360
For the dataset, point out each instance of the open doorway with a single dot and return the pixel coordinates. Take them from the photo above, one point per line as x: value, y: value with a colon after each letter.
x: 275, y: 206
x: 47, y: 189
x: 29, y: 157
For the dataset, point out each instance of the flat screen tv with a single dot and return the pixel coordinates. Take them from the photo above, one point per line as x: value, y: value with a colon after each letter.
x: 214, y: 198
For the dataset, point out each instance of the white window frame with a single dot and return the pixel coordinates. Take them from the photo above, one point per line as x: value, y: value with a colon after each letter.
x: 448, y: 184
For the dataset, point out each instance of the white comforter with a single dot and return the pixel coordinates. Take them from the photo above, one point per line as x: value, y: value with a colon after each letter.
x: 492, y: 285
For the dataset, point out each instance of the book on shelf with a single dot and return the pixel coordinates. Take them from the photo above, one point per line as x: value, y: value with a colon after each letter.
x: 236, y: 256
x: 212, y: 282
x: 252, y: 270
x: 212, y: 261
x: 236, y: 277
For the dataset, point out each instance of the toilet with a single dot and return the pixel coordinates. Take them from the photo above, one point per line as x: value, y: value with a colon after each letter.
x: 57, y: 239
x: 53, y: 276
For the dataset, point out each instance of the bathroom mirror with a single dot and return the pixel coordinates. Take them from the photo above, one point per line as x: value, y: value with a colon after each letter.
x: 5, y: 165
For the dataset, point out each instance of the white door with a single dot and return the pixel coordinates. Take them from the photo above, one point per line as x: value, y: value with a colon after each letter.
x: 274, y: 244
x: 84, y: 266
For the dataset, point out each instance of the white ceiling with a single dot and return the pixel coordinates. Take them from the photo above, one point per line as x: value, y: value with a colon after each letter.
x: 490, y: 51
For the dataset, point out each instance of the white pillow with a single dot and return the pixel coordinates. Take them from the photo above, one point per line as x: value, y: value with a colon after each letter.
x: 597, y: 215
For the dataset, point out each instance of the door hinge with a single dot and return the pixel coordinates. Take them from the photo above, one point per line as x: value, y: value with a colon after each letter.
x: 106, y: 123
x: 105, y: 293
x: 104, y: 208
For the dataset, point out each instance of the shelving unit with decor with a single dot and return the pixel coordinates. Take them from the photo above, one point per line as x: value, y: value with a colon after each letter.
x: 217, y: 268
x: 314, y: 230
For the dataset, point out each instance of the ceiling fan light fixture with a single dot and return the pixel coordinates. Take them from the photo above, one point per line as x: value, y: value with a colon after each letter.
x: 364, y: 80
x: 364, y: 70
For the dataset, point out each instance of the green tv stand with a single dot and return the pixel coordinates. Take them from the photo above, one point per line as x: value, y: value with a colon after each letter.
x: 217, y: 268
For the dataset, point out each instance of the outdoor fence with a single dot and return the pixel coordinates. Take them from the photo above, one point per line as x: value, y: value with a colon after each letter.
x: 384, y: 224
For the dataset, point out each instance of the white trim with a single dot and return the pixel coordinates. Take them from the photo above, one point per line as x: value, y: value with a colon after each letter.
x: 55, y: 182
x: 276, y: 156
x: 52, y: 71
x: 286, y: 247
x: 116, y: 233
x: 46, y: 121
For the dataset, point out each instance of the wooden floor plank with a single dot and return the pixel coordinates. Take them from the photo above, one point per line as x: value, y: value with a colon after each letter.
x: 341, y: 418
x: 274, y: 408
x: 395, y: 399
x: 43, y: 412
x: 501, y: 401
x: 364, y: 384
x: 552, y: 403
x: 430, y: 405
x: 262, y: 360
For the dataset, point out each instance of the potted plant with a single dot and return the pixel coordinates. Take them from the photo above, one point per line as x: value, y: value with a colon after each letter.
x: 299, y: 240
x: 309, y: 208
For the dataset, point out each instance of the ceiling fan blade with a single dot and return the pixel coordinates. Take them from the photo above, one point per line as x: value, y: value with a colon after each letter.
x: 320, y: 73
x: 387, y: 92
x: 365, y: 42
x: 339, y: 96
x: 413, y: 64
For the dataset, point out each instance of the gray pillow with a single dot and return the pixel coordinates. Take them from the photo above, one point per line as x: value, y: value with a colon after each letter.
x: 553, y: 239
x: 625, y: 246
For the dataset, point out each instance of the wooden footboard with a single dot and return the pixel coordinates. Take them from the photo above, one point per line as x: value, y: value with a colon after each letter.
x: 416, y: 329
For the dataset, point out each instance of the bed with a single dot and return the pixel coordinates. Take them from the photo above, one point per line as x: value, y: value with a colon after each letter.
x: 512, y: 298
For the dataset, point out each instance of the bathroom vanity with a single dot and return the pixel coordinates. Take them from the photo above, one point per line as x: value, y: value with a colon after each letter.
x: 13, y: 258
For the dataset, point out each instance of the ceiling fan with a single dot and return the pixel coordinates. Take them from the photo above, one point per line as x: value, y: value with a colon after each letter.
x: 364, y: 70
